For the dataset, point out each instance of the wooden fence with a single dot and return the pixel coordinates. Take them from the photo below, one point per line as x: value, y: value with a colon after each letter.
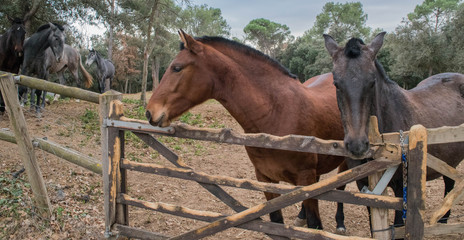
x: 385, y: 149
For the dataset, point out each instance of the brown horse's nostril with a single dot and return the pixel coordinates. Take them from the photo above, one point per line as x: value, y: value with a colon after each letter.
x: 148, y: 115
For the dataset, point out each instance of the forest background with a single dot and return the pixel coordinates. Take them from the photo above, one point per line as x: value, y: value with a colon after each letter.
x: 140, y: 36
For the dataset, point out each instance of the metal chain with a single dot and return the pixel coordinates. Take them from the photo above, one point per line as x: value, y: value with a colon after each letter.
x: 405, y: 175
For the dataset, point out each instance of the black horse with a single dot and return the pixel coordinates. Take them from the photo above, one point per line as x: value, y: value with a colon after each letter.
x: 35, y: 63
x: 105, y: 70
x: 363, y: 89
x: 11, y: 50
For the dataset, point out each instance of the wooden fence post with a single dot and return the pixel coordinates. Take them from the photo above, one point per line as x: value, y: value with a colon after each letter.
x: 379, y: 216
x: 417, y: 171
x: 109, y: 189
x: 18, y: 123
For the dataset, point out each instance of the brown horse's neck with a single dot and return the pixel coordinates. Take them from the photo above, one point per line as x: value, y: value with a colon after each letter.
x: 255, y: 93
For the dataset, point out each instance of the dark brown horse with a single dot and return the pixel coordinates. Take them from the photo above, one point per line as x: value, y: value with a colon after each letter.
x: 264, y: 98
x: 364, y: 89
x: 11, y: 50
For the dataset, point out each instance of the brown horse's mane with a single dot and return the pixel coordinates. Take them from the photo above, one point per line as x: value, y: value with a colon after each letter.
x: 247, y: 50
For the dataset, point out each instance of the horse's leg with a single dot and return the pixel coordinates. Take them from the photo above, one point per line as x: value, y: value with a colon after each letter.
x: 31, y: 101
x: 276, y: 216
x: 38, y: 103
x: 340, y: 216
x: 311, y: 206
x: 62, y: 82
x: 449, y: 185
x: 42, y: 104
x: 398, y: 191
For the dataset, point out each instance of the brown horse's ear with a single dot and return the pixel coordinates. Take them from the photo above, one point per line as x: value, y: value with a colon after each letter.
x: 189, y: 42
x: 377, y: 43
x: 330, y: 45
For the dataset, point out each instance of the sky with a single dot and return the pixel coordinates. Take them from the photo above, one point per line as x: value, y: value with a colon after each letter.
x: 299, y: 15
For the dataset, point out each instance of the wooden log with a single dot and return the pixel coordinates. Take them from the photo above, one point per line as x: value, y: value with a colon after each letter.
x: 132, y: 232
x: 417, y: 171
x: 453, y: 197
x: 109, y: 182
x: 63, y: 90
x: 254, y: 225
x: 379, y: 216
x: 437, y: 229
x: 67, y: 154
x: 332, y: 195
x: 116, y: 156
x: 289, y: 199
x: 445, y: 134
x: 443, y: 168
x: 296, y: 143
x: 18, y: 123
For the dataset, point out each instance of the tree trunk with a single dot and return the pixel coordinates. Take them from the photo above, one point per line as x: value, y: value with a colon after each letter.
x: 147, y: 51
x: 29, y: 14
x: 111, y: 31
x: 155, y: 68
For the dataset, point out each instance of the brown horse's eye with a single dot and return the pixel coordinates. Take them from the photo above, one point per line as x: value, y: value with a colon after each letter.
x: 177, y: 68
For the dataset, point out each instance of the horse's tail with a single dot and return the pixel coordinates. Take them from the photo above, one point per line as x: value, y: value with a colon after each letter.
x: 88, y: 78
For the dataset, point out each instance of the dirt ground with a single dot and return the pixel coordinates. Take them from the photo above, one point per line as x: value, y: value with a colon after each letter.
x: 76, y: 193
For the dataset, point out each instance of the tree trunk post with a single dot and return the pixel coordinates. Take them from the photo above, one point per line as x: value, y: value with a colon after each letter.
x: 417, y: 171
x: 379, y: 216
x: 18, y: 123
x: 109, y: 188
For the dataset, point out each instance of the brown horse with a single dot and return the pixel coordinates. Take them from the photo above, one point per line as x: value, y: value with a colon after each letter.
x: 364, y: 89
x: 264, y: 98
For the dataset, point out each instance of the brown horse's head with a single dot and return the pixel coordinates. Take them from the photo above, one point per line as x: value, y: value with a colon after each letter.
x: 186, y: 83
x: 355, y: 74
x: 16, y: 35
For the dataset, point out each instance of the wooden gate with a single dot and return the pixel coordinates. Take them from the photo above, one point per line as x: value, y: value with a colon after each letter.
x: 385, y: 149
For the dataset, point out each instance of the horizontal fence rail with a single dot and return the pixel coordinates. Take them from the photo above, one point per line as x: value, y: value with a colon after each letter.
x: 48, y: 86
x: 296, y: 143
x: 67, y: 154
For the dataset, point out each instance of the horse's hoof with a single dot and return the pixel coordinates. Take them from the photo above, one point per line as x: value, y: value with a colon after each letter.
x: 78, y: 100
x: 299, y: 222
x: 341, y: 230
x: 38, y: 115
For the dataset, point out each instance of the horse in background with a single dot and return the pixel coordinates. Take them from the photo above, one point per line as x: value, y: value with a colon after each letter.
x: 364, y: 89
x: 11, y: 50
x: 105, y: 70
x: 36, y: 63
x: 263, y: 97
x: 71, y: 60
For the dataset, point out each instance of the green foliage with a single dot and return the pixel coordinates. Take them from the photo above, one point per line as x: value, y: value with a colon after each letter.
x: 421, y: 46
x: 192, y: 119
x: 203, y: 20
x: 268, y: 36
x: 90, y: 122
x: 307, y: 57
x: 341, y: 21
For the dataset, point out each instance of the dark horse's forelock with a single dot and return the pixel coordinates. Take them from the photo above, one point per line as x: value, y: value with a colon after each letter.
x: 353, y: 48
x: 17, y: 21
x: 45, y: 26
x: 245, y: 49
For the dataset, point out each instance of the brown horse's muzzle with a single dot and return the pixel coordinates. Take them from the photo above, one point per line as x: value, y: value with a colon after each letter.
x: 160, y: 121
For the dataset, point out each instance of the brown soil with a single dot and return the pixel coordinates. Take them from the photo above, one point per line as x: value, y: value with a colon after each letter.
x: 76, y: 193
